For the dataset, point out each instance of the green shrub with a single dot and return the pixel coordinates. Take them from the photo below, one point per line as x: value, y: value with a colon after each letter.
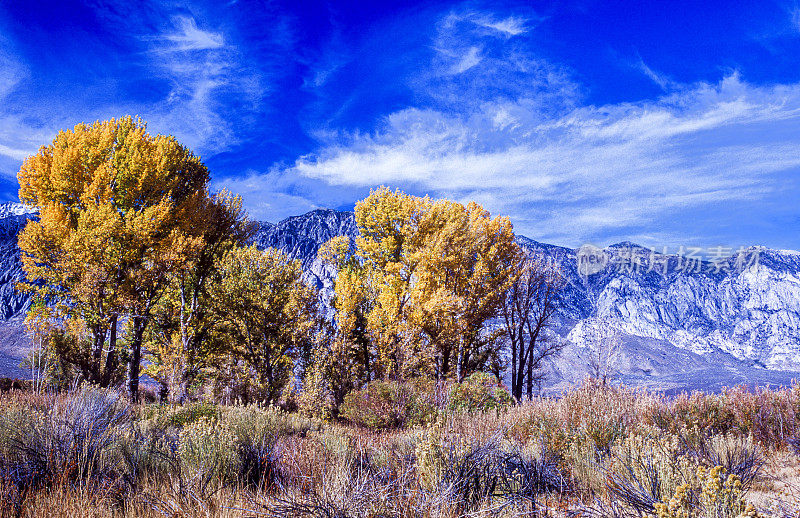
x: 209, y: 447
x: 389, y: 404
x: 479, y: 392
x: 239, y: 445
x: 189, y: 414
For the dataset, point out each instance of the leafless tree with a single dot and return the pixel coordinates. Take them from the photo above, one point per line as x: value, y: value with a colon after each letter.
x: 528, y: 310
x: 605, y: 353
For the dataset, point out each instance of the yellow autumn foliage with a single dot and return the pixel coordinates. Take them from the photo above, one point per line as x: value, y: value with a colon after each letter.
x: 427, y: 276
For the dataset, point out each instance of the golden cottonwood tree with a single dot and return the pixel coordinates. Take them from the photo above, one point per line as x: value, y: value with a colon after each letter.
x: 185, y: 340
x: 114, y: 205
x: 464, y: 265
x: 387, y: 242
x: 349, y: 362
x: 270, y: 315
x: 435, y: 272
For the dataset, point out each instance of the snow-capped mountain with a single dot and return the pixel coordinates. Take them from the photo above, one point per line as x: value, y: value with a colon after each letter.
x: 674, y: 321
x: 746, y: 305
x: 15, y: 209
x: 678, y: 321
x: 13, y: 304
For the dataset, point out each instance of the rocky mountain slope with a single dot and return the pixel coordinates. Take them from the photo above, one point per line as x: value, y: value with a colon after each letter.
x: 13, y: 304
x: 301, y: 236
x: 674, y: 321
x: 666, y: 321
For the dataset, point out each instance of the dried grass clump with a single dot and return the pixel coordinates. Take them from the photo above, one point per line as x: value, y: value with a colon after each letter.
x: 771, y: 417
x: 597, y: 450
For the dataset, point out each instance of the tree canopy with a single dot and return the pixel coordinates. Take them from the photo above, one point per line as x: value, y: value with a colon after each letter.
x: 434, y: 273
x: 270, y: 313
x: 115, y: 208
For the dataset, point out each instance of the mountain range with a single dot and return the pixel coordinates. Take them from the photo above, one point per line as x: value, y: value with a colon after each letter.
x: 671, y: 322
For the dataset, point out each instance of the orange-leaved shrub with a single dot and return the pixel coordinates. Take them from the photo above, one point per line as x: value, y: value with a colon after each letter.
x: 383, y: 405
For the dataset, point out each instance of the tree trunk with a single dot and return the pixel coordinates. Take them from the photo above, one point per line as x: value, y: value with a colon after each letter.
x: 268, y: 370
x: 514, y: 369
x: 134, y: 361
x: 111, y: 357
x: 99, y: 339
x: 445, y: 362
x: 519, y: 379
x: 530, y: 370
x: 163, y: 392
x: 365, y: 350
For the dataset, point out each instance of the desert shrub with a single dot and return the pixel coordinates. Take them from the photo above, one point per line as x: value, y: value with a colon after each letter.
x: 346, y: 486
x: 737, y: 455
x: 582, y: 460
x: 469, y: 473
x: 771, y: 417
x: 537, y: 420
x: 646, y: 467
x: 208, y: 446
x: 712, y: 495
x: 721, y: 496
x: 383, y: 405
x: 261, y: 421
x: 464, y: 470
x: 302, y: 461
x: 146, y: 453
x: 479, y: 392
x: 696, y: 416
x: 183, y: 415
x: 654, y: 474
x: 74, y: 441
x: 256, y: 433
x: 603, y: 414
x: 239, y: 447
x: 527, y: 473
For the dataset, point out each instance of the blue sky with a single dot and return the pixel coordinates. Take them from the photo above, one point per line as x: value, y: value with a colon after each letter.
x: 665, y: 123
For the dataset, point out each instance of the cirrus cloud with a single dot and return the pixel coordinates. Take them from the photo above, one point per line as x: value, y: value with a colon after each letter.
x: 589, y: 171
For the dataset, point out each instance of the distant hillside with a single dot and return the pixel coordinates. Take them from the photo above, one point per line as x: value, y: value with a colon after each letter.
x: 676, y: 327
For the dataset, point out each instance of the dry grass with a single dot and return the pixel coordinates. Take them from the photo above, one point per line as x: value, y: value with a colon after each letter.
x: 596, y: 450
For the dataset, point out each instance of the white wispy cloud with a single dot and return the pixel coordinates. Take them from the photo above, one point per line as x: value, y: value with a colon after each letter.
x: 509, y: 130
x: 201, y: 68
x: 188, y: 36
x: 659, y: 79
x: 18, y: 137
x: 278, y: 193
x: 11, y: 71
x: 467, y: 60
x: 510, y: 26
x: 206, y: 78
x: 589, y: 171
